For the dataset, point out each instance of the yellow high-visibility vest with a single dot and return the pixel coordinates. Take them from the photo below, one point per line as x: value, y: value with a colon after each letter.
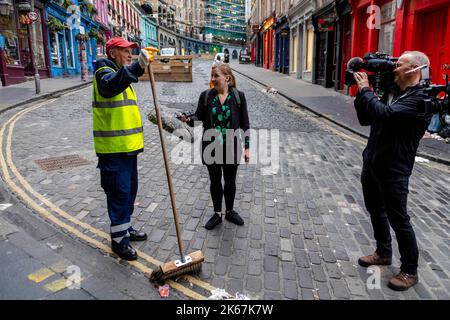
x: 117, y: 123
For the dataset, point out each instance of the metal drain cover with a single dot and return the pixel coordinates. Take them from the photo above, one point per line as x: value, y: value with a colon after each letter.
x: 63, y: 162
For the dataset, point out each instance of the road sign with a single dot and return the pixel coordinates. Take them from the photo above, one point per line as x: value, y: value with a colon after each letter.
x: 33, y: 15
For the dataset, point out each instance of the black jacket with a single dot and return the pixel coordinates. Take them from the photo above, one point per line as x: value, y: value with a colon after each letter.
x: 239, y: 118
x: 395, y: 132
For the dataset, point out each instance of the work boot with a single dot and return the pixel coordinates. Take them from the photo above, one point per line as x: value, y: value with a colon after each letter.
x: 214, y: 221
x: 374, y: 260
x: 403, y: 281
x: 137, y: 235
x: 234, y: 217
x: 124, y: 251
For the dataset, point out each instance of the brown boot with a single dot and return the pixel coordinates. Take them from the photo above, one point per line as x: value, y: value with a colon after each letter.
x: 403, y: 281
x: 374, y: 259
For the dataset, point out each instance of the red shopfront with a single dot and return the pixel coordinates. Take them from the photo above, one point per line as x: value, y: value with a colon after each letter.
x: 17, y: 60
x: 268, y: 43
x: 421, y: 25
x: 425, y: 26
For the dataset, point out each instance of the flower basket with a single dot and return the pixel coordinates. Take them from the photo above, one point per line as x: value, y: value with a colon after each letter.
x: 66, y: 3
x: 93, y: 34
x: 54, y: 25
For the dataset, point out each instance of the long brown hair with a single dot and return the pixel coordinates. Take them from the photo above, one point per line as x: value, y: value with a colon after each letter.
x: 226, y: 71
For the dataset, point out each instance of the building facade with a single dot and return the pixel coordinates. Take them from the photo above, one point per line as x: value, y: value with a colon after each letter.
x: 72, y: 41
x: 405, y: 25
x: 282, y: 37
x: 17, y: 56
x: 325, y: 34
x: 225, y: 21
x: 301, y: 39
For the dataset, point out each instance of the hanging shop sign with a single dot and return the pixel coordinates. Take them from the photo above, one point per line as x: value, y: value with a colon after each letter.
x: 23, y: 19
x: 33, y: 15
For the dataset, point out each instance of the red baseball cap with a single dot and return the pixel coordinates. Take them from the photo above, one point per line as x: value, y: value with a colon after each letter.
x: 119, y: 42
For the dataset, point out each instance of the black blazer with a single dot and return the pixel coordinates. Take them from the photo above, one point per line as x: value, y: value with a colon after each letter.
x: 239, y: 119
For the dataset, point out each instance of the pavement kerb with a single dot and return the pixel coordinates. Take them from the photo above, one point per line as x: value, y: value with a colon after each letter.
x: 343, y: 125
x: 54, y: 94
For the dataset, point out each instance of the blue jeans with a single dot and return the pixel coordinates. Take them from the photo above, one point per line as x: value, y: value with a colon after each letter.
x: 119, y: 180
x: 386, y: 200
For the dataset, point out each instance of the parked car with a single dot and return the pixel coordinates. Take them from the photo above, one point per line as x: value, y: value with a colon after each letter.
x: 244, y: 57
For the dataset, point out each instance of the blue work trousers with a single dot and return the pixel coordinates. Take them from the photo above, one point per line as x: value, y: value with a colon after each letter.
x: 119, y: 180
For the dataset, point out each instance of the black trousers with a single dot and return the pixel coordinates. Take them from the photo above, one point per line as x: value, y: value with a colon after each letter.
x: 229, y: 188
x: 386, y: 200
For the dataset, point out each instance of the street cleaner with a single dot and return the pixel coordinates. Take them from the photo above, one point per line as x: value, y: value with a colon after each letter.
x: 118, y: 138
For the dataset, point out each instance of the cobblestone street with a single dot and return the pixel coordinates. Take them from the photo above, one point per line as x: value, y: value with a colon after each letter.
x: 305, y: 224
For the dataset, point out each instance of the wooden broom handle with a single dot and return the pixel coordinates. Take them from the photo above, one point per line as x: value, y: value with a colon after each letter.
x: 166, y: 159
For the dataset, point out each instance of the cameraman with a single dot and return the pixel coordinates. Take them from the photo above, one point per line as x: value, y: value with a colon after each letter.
x: 397, y: 123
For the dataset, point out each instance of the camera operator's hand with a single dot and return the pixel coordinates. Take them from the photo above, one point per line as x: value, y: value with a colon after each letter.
x: 362, y: 80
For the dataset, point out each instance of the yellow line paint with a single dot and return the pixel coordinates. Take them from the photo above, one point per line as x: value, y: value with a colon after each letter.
x: 46, y: 214
x: 59, y: 267
x: 40, y: 275
x: 57, y: 285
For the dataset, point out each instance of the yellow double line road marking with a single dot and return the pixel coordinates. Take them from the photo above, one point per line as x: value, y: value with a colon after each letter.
x: 46, y: 214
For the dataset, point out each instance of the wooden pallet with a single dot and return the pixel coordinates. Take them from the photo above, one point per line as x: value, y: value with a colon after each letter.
x: 171, y: 69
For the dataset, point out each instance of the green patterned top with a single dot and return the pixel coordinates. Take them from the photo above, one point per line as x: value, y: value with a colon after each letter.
x: 221, y: 116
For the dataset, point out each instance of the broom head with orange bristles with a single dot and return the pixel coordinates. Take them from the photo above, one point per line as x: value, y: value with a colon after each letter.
x: 192, y: 264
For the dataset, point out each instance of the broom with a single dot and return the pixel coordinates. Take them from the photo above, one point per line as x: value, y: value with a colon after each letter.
x: 192, y: 262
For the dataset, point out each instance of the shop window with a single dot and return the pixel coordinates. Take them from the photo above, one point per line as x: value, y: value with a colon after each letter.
x: 69, y: 48
x: 55, y: 55
x: 294, y: 53
x: 386, y: 34
x: 40, y: 54
x: 309, y: 50
x: 8, y: 29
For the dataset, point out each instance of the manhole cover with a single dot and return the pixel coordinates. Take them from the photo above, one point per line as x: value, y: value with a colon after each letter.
x: 63, y: 162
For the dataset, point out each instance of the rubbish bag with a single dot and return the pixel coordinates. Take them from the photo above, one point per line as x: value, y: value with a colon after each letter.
x: 435, y: 124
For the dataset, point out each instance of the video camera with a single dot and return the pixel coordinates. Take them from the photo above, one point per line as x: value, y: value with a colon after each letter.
x: 379, y: 66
